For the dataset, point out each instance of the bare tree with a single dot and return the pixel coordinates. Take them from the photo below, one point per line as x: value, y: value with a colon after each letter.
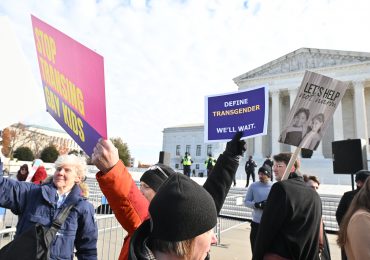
x: 18, y: 135
x: 5, y: 142
x: 37, y: 142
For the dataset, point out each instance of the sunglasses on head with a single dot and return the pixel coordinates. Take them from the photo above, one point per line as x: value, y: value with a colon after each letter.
x: 156, y: 167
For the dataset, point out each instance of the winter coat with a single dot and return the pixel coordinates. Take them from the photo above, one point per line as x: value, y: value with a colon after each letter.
x: 125, y: 199
x: 250, y: 165
x: 290, y: 223
x: 344, y: 203
x: 217, y: 184
x: 37, y: 204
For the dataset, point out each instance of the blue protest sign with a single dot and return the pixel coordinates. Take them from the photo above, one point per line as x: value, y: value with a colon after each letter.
x: 245, y: 111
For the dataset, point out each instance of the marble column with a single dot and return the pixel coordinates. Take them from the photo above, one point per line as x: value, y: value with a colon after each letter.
x: 360, y: 111
x: 338, y: 123
x: 258, y: 153
x: 292, y: 96
x: 275, y: 122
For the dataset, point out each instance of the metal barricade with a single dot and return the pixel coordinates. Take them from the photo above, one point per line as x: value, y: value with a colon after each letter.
x: 234, y: 208
x: 110, y: 237
x: 111, y: 234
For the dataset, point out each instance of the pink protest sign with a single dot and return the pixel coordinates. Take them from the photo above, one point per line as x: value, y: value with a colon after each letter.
x: 73, y: 81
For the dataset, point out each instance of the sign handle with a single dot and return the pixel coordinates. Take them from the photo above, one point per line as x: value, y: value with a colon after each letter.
x: 290, y: 164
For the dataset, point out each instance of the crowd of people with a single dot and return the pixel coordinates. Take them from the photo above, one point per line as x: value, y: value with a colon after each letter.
x: 172, y: 217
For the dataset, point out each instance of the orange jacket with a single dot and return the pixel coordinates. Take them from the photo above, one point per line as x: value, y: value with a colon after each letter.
x: 125, y: 199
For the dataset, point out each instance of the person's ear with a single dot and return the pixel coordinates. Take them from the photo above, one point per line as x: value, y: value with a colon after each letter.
x: 77, y: 179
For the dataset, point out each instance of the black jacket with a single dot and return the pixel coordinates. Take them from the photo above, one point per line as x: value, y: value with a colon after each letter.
x: 217, y: 184
x: 344, y: 203
x: 250, y: 165
x: 290, y: 224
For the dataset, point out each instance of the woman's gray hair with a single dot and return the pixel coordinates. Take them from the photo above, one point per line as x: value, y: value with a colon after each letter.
x: 78, y: 162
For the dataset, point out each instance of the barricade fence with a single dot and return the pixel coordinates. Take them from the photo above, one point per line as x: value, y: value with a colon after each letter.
x: 234, y: 208
x: 111, y: 233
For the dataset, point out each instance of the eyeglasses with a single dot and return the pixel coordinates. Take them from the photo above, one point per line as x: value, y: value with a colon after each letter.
x: 156, y: 167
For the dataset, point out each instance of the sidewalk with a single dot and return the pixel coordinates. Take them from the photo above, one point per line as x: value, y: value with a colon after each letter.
x: 235, y: 245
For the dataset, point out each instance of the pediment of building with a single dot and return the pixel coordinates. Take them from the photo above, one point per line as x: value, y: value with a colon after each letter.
x: 305, y: 59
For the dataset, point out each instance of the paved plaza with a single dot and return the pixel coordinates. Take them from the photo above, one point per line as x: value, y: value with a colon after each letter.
x: 235, y: 245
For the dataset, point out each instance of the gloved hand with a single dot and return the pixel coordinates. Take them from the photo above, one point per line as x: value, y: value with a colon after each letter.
x: 236, y: 147
x: 260, y: 205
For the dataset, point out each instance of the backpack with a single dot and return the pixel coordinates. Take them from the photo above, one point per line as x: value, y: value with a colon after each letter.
x: 35, y: 242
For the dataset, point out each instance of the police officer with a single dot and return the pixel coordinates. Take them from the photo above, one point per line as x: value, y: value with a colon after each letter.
x: 186, y: 162
x: 210, y: 163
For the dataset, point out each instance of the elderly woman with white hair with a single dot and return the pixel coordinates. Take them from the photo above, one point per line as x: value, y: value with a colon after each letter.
x: 42, y: 203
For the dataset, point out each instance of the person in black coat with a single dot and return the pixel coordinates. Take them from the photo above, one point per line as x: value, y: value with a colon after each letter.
x: 314, y: 183
x: 290, y: 224
x: 250, y: 165
x: 347, y: 198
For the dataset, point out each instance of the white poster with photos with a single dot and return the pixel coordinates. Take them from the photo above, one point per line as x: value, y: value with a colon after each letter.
x: 314, y: 106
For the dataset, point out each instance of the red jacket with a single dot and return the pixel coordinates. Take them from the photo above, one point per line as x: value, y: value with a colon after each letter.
x: 39, y: 175
x: 125, y: 199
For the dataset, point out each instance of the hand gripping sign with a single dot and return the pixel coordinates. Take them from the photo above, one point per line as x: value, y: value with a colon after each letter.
x: 313, y: 108
x: 73, y: 82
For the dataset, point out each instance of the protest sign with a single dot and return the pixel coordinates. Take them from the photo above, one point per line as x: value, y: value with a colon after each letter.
x: 73, y: 82
x: 313, y: 108
x: 245, y: 111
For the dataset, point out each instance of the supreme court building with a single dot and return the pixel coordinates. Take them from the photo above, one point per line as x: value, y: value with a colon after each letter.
x: 284, y: 76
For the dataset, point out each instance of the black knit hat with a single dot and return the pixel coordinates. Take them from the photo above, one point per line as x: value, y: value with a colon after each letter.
x: 156, y: 175
x: 265, y: 170
x: 181, y: 210
x: 362, y: 175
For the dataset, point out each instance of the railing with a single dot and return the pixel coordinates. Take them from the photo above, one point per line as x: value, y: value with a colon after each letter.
x: 234, y: 208
x: 111, y: 234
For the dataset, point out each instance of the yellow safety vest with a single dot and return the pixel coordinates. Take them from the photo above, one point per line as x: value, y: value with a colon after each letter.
x: 186, y: 160
x: 213, y: 161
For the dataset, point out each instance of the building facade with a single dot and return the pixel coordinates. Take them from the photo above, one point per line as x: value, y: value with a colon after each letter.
x: 189, y: 138
x: 38, y: 137
x: 284, y: 75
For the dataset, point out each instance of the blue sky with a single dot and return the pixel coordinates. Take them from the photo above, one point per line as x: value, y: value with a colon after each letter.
x: 162, y: 57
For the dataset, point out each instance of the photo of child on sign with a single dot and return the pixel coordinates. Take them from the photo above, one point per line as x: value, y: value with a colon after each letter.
x: 294, y: 133
x: 314, y: 133
x: 314, y: 106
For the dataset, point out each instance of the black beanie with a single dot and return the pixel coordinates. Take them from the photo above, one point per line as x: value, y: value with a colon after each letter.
x: 266, y: 170
x: 154, y: 177
x: 362, y: 175
x: 181, y: 210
